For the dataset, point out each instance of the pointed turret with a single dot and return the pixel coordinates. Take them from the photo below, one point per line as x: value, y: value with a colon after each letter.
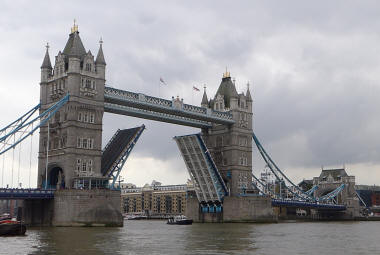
x: 100, y: 56
x: 74, y: 46
x: 46, y: 63
x: 227, y: 89
x: 204, y: 102
x: 248, y: 94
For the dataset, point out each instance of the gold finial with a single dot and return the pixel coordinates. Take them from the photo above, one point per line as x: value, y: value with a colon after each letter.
x: 75, y: 27
x: 226, y: 74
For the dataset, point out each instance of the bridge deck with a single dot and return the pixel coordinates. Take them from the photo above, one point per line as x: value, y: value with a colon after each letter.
x: 172, y: 111
x: 14, y: 194
x: 304, y: 204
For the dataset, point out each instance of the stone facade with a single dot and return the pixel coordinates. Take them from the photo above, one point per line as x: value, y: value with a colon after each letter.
x: 75, y: 132
x: 231, y: 146
x: 155, y: 200
x: 329, y: 180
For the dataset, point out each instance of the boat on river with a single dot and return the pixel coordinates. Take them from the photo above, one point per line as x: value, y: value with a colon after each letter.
x: 179, y: 220
x: 11, y: 227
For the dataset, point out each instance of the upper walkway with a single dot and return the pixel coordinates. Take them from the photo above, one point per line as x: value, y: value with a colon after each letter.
x: 154, y: 108
x: 26, y: 194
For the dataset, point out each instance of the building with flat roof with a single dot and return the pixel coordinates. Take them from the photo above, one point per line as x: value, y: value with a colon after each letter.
x: 156, y: 200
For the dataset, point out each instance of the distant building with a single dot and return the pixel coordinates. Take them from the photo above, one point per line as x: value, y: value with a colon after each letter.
x: 156, y: 199
x: 370, y: 194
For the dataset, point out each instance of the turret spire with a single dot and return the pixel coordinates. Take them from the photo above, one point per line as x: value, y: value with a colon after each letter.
x: 248, y: 94
x: 204, y: 102
x: 46, y: 63
x: 100, y: 56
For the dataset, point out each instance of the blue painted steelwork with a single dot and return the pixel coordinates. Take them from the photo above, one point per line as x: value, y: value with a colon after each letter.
x: 147, y: 106
x: 23, y: 126
x: 152, y: 115
x: 310, y: 192
x: 305, y: 204
x: 332, y: 194
x: 115, y: 171
x: 26, y: 193
x: 277, y: 171
x: 260, y: 183
x: 214, y: 173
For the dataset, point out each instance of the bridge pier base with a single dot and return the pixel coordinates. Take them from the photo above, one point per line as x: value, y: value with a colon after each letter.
x: 235, y: 209
x: 37, y: 212
x: 98, y: 207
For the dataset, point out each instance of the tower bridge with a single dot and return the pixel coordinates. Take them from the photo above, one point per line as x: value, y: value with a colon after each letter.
x: 73, y: 99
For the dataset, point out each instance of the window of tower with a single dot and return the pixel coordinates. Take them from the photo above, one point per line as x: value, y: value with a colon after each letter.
x: 79, y: 162
x: 92, y: 117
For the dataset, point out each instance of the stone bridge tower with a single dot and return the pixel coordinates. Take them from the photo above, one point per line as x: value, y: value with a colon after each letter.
x: 71, y: 153
x: 231, y: 146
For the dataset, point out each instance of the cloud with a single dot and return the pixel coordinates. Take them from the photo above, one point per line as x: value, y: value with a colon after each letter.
x: 314, y: 69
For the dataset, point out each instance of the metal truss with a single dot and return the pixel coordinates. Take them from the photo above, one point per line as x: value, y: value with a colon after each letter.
x: 209, y: 185
x: 117, y: 166
x: 332, y: 195
x: 160, y: 109
x: 26, y: 125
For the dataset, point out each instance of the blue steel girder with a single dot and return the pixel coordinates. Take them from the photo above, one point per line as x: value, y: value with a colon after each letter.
x: 152, y: 115
x: 22, y: 128
x: 209, y: 185
x: 304, y: 204
x: 277, y: 172
x: 332, y: 194
x: 119, y: 163
x: 26, y: 194
x: 159, y: 105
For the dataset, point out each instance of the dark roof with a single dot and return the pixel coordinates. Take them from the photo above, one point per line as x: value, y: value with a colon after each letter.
x: 306, y: 182
x: 115, y: 147
x: 335, y: 173
x: 100, y: 56
x: 228, y: 90
x: 46, y: 63
x: 74, y: 46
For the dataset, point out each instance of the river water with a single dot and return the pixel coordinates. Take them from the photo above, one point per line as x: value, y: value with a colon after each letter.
x: 156, y: 237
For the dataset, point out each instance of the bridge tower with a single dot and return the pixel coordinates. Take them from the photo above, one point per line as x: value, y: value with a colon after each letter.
x: 71, y: 152
x: 231, y: 146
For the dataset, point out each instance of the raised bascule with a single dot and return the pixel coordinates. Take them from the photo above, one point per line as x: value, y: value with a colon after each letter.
x: 76, y: 177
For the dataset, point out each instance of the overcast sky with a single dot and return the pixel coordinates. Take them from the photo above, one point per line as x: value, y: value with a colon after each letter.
x: 313, y: 66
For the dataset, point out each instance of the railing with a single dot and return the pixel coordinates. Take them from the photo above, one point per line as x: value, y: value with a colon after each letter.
x: 26, y: 193
x: 174, y: 106
x: 317, y: 205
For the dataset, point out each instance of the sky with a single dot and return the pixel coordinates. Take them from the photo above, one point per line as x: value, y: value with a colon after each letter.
x: 313, y: 66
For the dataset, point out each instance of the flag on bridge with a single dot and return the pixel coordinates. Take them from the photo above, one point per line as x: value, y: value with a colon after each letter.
x: 162, y: 80
x: 195, y: 88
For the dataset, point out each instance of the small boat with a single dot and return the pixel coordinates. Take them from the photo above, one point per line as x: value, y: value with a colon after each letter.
x: 10, y: 227
x: 179, y: 220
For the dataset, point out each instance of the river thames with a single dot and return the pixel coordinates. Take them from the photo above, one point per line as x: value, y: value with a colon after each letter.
x: 156, y: 237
